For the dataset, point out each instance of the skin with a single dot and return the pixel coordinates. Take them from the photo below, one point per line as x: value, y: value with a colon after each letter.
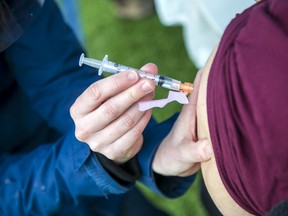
x: 107, y: 118
x: 118, y: 132
x: 180, y: 151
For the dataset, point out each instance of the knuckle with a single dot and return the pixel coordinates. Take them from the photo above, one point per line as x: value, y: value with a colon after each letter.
x: 95, y: 147
x: 198, y: 155
x: 110, y: 153
x: 136, y: 132
x: 124, y: 151
x: 128, y: 121
x: 74, y: 111
x: 81, y: 134
x: 130, y: 153
x: 94, y: 91
x: 133, y: 95
x: 116, y: 85
x: 135, y: 148
x: 82, y: 130
x: 111, y: 109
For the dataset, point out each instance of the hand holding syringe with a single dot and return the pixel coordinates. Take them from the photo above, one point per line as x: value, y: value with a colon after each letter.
x: 112, y: 67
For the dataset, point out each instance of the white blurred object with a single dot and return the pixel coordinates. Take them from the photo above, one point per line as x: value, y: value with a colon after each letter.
x: 203, y: 22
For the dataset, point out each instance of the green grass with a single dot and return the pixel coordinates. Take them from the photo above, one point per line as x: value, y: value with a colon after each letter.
x: 136, y: 43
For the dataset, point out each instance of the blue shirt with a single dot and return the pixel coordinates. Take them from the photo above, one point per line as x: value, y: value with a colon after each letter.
x: 44, y: 168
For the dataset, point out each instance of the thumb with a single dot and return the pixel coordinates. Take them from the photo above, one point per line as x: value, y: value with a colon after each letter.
x: 150, y: 68
x: 200, y: 151
x: 189, y: 109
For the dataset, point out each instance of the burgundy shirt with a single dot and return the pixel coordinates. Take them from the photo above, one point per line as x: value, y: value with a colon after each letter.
x: 247, y: 105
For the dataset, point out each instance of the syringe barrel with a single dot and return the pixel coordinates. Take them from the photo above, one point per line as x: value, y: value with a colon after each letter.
x: 165, y: 82
x: 112, y: 67
x: 168, y: 83
x: 159, y: 80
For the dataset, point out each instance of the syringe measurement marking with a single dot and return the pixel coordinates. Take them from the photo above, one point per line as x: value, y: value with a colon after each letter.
x: 112, y: 67
x: 159, y: 80
x: 143, y: 74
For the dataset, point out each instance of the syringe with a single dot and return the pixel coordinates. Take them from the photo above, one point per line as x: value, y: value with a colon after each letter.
x: 112, y: 67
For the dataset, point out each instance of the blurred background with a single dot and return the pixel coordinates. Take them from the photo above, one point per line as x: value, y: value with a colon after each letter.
x: 104, y: 29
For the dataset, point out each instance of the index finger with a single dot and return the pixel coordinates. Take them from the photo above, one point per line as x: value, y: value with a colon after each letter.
x: 150, y: 68
x: 100, y: 91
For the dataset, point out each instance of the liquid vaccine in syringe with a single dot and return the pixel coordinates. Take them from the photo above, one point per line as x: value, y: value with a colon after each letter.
x: 112, y: 67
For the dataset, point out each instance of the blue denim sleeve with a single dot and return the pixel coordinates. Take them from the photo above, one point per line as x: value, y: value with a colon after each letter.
x: 45, y: 63
x: 169, y: 186
x: 51, y: 175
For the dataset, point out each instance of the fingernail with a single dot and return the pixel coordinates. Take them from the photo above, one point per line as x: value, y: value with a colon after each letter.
x: 132, y: 75
x: 146, y: 87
